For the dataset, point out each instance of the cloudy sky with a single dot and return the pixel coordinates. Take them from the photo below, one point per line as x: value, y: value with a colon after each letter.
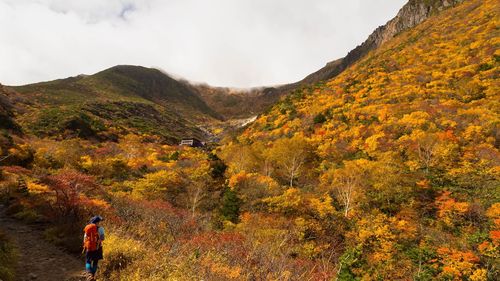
x: 238, y: 43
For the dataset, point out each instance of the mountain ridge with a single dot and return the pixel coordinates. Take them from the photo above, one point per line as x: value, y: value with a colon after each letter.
x: 124, y: 98
x: 411, y: 14
x: 195, y: 104
x: 387, y: 171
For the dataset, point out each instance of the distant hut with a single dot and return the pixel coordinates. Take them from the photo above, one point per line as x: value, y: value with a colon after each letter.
x: 192, y: 142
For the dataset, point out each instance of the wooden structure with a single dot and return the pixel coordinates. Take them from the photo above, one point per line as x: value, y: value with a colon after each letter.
x: 192, y: 142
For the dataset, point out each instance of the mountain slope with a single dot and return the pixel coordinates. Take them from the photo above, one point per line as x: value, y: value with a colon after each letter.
x: 113, y: 101
x: 7, y: 110
x: 410, y: 15
x: 235, y: 103
x: 189, y: 105
x: 123, y: 82
x: 200, y: 101
x: 153, y: 85
x: 445, y: 61
x: 404, y: 146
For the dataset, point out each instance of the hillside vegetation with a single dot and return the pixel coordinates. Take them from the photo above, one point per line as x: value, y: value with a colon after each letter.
x: 7, y: 258
x: 400, y: 151
x: 390, y: 171
x: 112, y: 102
x: 259, y: 99
x: 237, y: 103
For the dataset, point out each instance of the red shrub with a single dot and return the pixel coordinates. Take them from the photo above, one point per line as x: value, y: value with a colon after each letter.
x: 72, y: 190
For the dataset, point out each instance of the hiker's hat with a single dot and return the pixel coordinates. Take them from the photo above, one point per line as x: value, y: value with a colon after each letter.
x: 96, y: 219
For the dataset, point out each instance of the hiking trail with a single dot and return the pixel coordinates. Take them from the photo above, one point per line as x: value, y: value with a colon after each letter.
x: 38, y: 259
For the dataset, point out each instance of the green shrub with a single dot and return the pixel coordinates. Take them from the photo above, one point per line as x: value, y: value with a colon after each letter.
x: 320, y: 119
x: 65, y: 236
x: 8, y: 258
x: 27, y: 215
x: 230, y: 209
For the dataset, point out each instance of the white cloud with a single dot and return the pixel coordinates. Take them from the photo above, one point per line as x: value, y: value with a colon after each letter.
x: 223, y: 42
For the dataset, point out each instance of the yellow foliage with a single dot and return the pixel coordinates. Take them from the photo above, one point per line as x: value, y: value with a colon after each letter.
x: 372, y: 144
x: 415, y: 119
x: 36, y: 188
x: 219, y: 266
x: 479, y: 274
x: 153, y: 184
x: 322, y: 206
x: 289, y: 201
x: 493, y: 212
x: 449, y: 209
x: 86, y: 162
x: 457, y: 264
x: 115, y: 245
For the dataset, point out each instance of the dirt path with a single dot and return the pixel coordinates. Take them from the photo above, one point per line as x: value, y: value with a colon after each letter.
x: 38, y: 259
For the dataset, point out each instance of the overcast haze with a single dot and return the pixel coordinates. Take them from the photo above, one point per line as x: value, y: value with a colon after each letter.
x: 238, y: 43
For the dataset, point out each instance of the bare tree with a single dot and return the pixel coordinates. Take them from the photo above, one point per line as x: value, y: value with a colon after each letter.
x: 345, y: 187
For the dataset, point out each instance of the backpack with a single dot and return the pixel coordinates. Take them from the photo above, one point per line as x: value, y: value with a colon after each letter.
x: 91, y: 238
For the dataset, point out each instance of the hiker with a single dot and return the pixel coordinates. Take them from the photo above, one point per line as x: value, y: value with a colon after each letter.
x: 92, y: 245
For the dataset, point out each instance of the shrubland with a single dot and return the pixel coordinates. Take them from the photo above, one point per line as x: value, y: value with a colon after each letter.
x: 390, y: 171
x: 8, y: 257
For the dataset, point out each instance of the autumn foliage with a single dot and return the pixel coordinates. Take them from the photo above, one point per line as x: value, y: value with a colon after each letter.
x: 390, y: 171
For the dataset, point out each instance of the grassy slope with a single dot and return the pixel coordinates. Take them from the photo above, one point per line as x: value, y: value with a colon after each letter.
x: 235, y: 103
x: 122, y: 98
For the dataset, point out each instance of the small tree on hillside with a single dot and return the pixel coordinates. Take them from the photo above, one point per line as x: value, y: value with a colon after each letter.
x: 346, y: 182
x: 290, y: 155
x: 72, y: 192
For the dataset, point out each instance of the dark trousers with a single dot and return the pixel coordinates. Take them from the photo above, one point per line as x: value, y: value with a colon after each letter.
x: 92, y: 259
